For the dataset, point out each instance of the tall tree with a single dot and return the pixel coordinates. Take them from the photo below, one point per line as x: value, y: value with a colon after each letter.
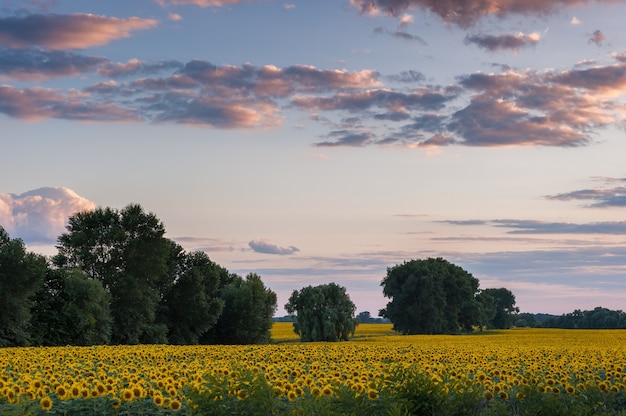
x: 248, y: 310
x: 504, y: 305
x: 126, y: 251
x: 430, y: 296
x: 192, y: 305
x: 323, y: 313
x: 21, y: 275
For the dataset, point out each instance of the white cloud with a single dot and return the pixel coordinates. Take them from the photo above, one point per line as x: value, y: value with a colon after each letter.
x: 40, y: 215
x: 575, y: 21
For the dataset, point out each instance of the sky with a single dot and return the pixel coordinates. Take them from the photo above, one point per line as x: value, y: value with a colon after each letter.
x: 326, y: 141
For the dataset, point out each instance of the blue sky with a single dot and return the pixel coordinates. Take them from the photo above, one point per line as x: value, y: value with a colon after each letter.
x: 315, y: 142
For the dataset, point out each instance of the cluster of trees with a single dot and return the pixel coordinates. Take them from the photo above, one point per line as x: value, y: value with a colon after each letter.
x: 116, y: 279
x: 598, y: 318
x: 434, y: 296
x: 431, y: 296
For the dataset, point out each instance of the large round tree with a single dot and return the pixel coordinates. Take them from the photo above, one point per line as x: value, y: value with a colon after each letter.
x: 323, y: 313
x: 430, y: 296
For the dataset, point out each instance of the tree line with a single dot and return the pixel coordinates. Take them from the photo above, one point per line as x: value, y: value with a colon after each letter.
x: 117, y: 280
x: 597, y: 318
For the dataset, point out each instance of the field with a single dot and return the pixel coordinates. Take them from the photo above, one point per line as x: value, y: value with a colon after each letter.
x: 519, y: 371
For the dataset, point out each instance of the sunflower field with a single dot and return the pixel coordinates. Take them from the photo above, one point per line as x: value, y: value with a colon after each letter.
x: 512, y: 372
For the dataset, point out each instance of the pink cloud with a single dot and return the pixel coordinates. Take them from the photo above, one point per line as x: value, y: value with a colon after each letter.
x: 465, y: 13
x: 74, y: 31
x: 41, y: 65
x: 33, y: 104
x: 40, y: 215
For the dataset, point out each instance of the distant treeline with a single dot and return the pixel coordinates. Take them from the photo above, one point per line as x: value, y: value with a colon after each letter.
x: 598, y: 318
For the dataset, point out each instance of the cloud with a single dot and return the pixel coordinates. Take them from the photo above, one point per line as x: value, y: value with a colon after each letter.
x: 34, y: 104
x: 400, y: 34
x: 27, y: 6
x: 347, y: 138
x: 514, y: 41
x: 137, y: 67
x: 424, y: 99
x: 174, y: 16
x: 40, y: 215
x: 466, y: 13
x: 40, y: 65
x: 575, y: 21
x: 545, y: 227
x: 406, y: 19
x: 597, y: 37
x: 532, y: 108
x: 522, y: 108
x: 75, y: 31
x: 263, y: 246
x: 600, y: 197
x: 289, y: 6
x: 409, y: 76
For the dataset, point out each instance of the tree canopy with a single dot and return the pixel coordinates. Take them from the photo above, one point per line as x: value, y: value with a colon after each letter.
x: 430, y: 296
x: 323, y: 313
x: 127, y: 252
x: 247, y: 314
x: 21, y: 274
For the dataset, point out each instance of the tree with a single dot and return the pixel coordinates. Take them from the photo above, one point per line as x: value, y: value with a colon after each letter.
x: 487, y: 310
x: 430, y: 296
x: 248, y: 310
x: 323, y: 313
x: 21, y: 274
x: 126, y: 251
x: 191, y: 306
x: 504, y: 304
x: 71, y: 308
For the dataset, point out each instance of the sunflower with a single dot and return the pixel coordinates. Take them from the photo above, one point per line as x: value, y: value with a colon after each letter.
x: 158, y: 400
x: 175, y: 405
x: 372, y: 394
x: 127, y: 394
x: 137, y: 391
x: 75, y: 391
x: 45, y: 403
x: 61, y: 392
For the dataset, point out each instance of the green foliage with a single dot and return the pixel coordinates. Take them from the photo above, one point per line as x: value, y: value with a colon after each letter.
x: 71, y: 308
x: 324, y: 313
x: 21, y: 274
x: 246, y: 394
x: 430, y: 296
x: 247, y: 314
x: 504, y: 306
x: 598, y: 318
x: 125, y: 250
x: 192, y: 305
x: 487, y: 309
